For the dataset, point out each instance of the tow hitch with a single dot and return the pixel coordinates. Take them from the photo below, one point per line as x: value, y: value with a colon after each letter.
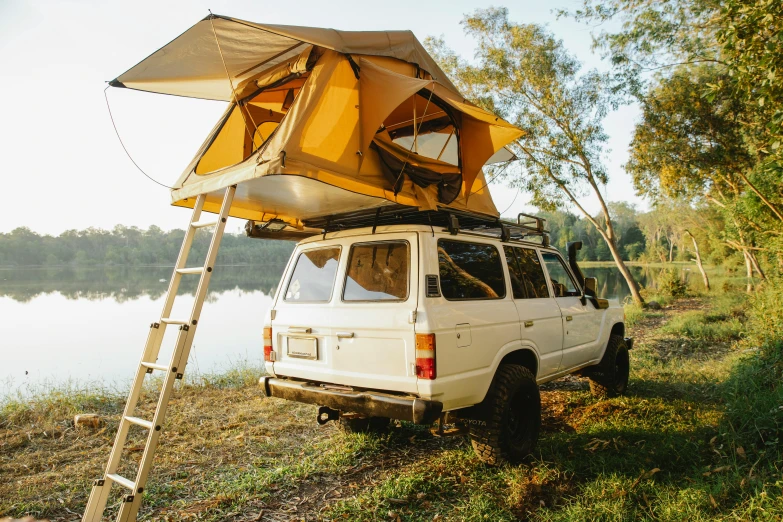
x: 326, y: 414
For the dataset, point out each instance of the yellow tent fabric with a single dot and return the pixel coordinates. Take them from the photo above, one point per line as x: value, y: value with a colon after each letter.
x: 380, y: 92
x: 305, y: 105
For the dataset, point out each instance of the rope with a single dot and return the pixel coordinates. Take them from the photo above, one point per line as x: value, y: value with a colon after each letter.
x: 494, y: 177
x: 231, y: 84
x: 123, y: 144
x: 512, y: 202
x: 415, y: 135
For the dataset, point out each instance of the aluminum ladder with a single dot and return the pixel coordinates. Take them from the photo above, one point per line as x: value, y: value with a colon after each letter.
x: 131, y: 499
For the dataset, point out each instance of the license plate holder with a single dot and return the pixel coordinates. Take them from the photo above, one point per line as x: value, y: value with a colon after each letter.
x: 302, y: 347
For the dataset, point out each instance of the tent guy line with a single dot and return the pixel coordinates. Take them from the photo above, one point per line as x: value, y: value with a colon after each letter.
x: 117, y: 132
x: 230, y: 81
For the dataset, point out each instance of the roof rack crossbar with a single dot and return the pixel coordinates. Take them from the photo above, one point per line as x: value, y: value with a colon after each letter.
x: 449, y: 219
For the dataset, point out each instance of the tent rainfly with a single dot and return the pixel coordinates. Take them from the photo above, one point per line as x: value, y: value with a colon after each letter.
x: 321, y: 122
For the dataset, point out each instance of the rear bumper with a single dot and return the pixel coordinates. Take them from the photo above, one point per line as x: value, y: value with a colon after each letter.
x: 370, y: 403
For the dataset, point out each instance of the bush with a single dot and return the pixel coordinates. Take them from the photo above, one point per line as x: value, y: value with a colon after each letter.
x: 754, y: 393
x: 672, y: 284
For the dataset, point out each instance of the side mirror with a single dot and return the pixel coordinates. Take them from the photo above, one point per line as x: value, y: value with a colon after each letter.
x: 591, y: 286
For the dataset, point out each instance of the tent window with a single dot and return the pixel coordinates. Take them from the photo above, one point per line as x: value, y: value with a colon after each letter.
x: 232, y: 143
x: 263, y: 132
x: 434, y: 134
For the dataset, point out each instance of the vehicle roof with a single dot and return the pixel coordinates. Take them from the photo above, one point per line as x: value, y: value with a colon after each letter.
x: 440, y: 231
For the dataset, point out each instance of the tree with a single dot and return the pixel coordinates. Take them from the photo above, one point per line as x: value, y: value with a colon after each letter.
x: 733, y: 52
x: 690, y: 146
x: 525, y: 74
x: 751, y: 35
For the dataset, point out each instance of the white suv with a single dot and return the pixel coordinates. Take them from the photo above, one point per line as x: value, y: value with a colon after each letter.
x: 420, y: 322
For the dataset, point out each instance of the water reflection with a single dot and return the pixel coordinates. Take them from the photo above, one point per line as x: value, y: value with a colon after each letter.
x: 128, y: 283
x: 90, y: 324
x: 612, y: 285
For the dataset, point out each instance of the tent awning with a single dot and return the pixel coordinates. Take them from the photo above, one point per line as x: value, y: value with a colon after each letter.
x: 196, y: 63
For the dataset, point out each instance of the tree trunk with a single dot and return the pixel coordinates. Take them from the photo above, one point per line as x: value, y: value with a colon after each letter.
x: 749, y: 271
x: 671, y: 249
x: 755, y: 262
x: 618, y: 260
x: 698, y: 262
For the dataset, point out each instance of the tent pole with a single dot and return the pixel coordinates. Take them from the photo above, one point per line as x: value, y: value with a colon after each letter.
x: 415, y: 133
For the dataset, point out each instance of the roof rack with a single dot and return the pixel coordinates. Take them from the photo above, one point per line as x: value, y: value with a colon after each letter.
x: 454, y: 221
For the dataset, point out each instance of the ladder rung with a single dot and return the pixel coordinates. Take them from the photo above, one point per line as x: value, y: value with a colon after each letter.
x: 139, y: 422
x: 202, y: 224
x: 122, y: 481
x: 169, y: 320
x: 196, y: 270
x: 155, y: 366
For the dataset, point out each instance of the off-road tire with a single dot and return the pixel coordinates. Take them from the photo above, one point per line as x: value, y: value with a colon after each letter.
x: 510, y: 417
x: 609, y: 378
x: 364, y: 425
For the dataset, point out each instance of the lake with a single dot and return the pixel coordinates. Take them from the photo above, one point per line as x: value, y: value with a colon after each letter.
x: 90, y: 324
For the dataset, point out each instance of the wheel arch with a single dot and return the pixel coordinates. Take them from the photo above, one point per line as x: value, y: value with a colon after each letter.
x: 618, y: 329
x: 524, y: 357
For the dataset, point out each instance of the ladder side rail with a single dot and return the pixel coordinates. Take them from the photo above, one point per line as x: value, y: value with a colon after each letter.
x: 99, y: 495
x: 131, y: 503
x: 129, y: 508
x: 182, y: 258
x: 203, y: 285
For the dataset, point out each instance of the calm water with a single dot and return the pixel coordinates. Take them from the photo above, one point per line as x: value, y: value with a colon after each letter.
x: 91, y: 324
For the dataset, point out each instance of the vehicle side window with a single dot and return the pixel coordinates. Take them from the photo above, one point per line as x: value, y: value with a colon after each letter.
x: 470, y: 270
x: 377, y: 272
x: 562, y: 284
x: 514, y: 272
x: 313, y: 277
x: 526, y: 272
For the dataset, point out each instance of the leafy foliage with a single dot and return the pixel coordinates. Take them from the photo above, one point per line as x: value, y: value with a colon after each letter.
x: 131, y: 246
x: 524, y: 73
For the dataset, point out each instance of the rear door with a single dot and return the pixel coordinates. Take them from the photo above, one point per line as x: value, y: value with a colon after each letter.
x: 581, y: 323
x: 301, y: 317
x: 539, y: 315
x: 374, y: 314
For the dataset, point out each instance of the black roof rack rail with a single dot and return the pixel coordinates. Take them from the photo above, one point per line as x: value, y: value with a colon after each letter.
x: 452, y: 220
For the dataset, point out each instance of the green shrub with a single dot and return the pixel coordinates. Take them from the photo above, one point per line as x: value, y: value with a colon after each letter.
x: 754, y: 392
x: 672, y: 284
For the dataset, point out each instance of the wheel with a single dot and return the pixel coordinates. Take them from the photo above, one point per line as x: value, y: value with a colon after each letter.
x: 510, y: 417
x: 364, y: 425
x: 610, y: 376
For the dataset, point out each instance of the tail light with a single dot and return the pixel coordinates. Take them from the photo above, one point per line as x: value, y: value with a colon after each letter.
x: 425, y: 356
x: 268, y: 343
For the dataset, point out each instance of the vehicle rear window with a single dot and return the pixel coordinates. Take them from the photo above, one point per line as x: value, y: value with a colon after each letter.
x: 313, y: 277
x: 470, y: 270
x: 527, y: 275
x: 377, y: 272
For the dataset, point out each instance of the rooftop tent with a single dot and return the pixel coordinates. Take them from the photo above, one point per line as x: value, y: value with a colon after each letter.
x: 321, y: 121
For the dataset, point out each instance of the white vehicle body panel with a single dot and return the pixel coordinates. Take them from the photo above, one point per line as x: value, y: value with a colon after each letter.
x: 377, y: 343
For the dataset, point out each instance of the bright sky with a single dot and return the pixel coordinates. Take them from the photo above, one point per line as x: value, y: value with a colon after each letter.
x: 62, y: 166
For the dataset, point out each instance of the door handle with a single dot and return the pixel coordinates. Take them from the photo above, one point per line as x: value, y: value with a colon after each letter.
x: 300, y: 329
x: 569, y: 318
x: 528, y: 324
x: 346, y: 335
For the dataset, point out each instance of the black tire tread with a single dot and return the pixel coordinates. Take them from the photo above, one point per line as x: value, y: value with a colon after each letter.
x: 602, y: 380
x: 486, y: 439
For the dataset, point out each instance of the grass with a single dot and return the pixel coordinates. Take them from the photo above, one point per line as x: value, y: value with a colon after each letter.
x: 679, y: 446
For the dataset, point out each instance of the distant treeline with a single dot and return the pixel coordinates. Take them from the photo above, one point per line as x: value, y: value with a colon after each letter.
x: 131, y: 246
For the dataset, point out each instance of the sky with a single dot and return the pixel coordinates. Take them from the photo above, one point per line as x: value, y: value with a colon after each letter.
x: 62, y: 165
